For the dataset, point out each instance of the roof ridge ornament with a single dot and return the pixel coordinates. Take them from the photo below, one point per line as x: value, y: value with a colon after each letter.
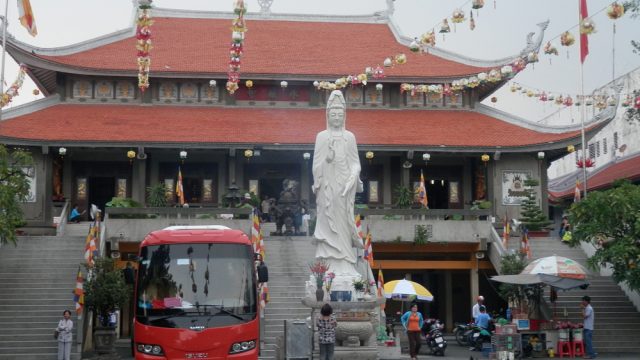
x: 534, y: 45
x: 265, y: 6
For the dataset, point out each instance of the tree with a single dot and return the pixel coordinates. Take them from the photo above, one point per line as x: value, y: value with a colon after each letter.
x: 610, y: 220
x: 633, y: 7
x: 14, y: 189
x: 106, y: 290
x: 156, y: 195
x: 511, y: 264
x: 532, y: 216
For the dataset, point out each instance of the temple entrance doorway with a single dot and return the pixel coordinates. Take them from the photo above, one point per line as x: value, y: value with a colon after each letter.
x: 101, y: 191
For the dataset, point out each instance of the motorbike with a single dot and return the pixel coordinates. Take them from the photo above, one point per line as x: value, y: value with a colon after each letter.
x: 462, y: 332
x: 432, y: 330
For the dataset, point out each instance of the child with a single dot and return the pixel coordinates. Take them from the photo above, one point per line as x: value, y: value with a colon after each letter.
x: 326, y: 325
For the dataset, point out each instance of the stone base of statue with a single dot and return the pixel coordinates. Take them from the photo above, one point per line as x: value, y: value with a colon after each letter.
x: 357, y: 322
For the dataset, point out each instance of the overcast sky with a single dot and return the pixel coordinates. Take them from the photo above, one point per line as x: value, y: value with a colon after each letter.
x: 501, y: 29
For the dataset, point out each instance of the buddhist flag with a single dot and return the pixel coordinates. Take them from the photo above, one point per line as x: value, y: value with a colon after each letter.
x: 381, y: 287
x: 256, y: 235
x: 584, y: 41
x: 78, y: 293
x: 368, y: 248
x: 422, y: 192
x: 26, y: 17
x: 506, y: 231
x: 179, y: 187
x: 576, y: 192
x: 359, y: 226
x: 524, y: 245
x: 91, y: 244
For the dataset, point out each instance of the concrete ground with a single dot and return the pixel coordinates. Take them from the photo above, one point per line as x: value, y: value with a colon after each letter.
x: 453, y: 352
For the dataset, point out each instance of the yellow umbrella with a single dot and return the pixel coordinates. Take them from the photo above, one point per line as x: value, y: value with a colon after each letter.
x: 406, y: 290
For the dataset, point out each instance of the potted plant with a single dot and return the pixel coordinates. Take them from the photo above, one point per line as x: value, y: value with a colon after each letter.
x: 532, y: 217
x: 359, y: 286
x: 404, y: 197
x: 105, y: 292
x: 156, y: 195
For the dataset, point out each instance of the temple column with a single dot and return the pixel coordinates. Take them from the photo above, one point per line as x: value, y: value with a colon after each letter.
x: 386, y: 196
x: 47, y: 160
x: 139, y: 180
x: 448, y: 293
x: 473, y: 278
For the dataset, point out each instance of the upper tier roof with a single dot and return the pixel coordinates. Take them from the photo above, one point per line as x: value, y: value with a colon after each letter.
x: 188, y: 43
x: 121, y: 125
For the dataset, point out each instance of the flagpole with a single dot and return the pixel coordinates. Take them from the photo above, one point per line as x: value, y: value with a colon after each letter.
x: 582, y: 109
x: 4, y: 47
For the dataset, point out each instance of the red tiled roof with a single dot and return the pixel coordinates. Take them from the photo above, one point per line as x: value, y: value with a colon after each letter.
x: 271, y: 48
x: 206, y: 125
x: 604, y: 177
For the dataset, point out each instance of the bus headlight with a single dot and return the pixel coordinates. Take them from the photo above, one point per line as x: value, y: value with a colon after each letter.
x: 242, y: 346
x: 150, y: 349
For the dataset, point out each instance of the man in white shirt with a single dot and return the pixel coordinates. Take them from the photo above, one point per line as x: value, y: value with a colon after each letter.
x: 475, y: 311
x: 588, y: 316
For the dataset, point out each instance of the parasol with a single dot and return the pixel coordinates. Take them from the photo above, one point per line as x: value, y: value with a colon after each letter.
x: 406, y: 290
x: 557, y: 266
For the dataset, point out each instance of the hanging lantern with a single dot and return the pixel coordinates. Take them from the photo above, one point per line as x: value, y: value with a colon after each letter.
x: 637, y: 103
x: 284, y: 84
x: 248, y: 153
x: 494, y: 99
x: 401, y: 59
x: 532, y: 57
x: 36, y: 92
x: 477, y: 4
x: 387, y: 62
x: 379, y: 87
x: 414, y: 46
x: 183, y: 155
x: 513, y: 88
x: 587, y: 26
x: 540, y: 155
x: 445, y: 28
x: 316, y: 84
x: 568, y: 101
x: 369, y: 155
x: 543, y: 96
x: 627, y: 101
x: 567, y: 39
x: 559, y: 100
x: 615, y: 11
x: 212, y: 83
x: 530, y: 93
x: 550, y: 49
x: 506, y: 70
x: 428, y: 38
x: 571, y: 149
x: 62, y: 151
x: 551, y: 97
x: 457, y: 17
x: 131, y: 155
x: 589, y: 101
x: 485, y: 158
x: 611, y: 101
x: 248, y: 84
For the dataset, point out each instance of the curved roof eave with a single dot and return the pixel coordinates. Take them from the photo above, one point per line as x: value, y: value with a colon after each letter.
x: 26, y: 53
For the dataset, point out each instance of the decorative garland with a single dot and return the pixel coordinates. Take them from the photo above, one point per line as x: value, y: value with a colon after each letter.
x: 13, y: 89
x: 362, y: 78
x: 235, y: 51
x: 143, y: 45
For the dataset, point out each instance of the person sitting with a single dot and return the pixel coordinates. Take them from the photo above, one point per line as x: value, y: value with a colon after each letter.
x: 75, y: 214
x: 483, y: 318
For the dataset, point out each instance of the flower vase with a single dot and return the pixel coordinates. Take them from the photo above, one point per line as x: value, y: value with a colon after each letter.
x: 319, y: 294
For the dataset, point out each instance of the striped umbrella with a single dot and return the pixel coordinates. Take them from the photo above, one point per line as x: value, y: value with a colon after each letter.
x: 558, y: 266
x: 406, y: 290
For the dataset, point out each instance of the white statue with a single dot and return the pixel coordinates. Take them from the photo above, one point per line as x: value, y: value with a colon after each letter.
x: 336, y: 178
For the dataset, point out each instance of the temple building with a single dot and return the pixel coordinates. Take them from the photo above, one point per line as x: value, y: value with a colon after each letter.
x: 96, y: 136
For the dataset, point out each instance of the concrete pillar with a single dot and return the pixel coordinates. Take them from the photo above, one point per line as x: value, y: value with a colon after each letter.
x: 473, y: 280
x: 139, y: 181
x: 47, y: 160
x: 448, y: 293
x: 305, y: 181
x: 231, y: 167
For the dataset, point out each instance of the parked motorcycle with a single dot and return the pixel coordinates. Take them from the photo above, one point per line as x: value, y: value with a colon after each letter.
x: 432, y: 330
x: 462, y: 332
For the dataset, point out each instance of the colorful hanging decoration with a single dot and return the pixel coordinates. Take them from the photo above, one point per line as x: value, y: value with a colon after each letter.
x: 458, y: 16
x: 445, y: 28
x: 472, y: 22
x: 615, y: 11
x: 376, y: 73
x: 238, y: 30
x: 428, y: 38
x: 248, y: 84
x: 567, y: 39
x: 13, y: 89
x: 477, y: 4
x: 143, y: 44
x: 581, y: 163
x: 550, y: 49
x: 414, y: 46
x: 587, y: 26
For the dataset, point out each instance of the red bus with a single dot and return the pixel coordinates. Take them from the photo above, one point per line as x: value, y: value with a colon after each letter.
x: 196, y: 295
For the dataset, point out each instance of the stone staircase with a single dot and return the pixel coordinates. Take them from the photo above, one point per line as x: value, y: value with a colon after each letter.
x: 616, y: 319
x: 37, y: 279
x: 287, y: 259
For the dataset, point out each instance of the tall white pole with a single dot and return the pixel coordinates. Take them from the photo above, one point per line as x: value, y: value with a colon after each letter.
x: 4, y: 43
x: 583, y: 110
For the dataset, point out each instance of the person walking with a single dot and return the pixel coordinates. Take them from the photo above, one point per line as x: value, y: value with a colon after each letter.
x: 64, y: 329
x: 588, y: 316
x: 326, y: 325
x: 412, y: 322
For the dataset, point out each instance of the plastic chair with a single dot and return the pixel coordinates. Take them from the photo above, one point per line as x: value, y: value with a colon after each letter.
x: 564, y: 348
x: 577, y: 348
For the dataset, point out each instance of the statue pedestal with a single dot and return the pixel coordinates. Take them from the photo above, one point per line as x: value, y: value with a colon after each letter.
x: 357, y: 325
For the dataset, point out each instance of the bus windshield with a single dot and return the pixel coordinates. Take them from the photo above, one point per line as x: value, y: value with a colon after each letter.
x: 210, y: 285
